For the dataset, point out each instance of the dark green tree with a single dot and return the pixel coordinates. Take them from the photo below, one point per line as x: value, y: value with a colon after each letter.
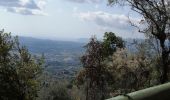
x: 110, y: 43
x: 18, y: 70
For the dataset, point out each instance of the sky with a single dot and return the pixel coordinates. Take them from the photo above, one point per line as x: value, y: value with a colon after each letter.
x: 66, y: 19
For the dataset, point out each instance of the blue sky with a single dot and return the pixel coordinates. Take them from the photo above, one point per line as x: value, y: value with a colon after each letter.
x: 66, y: 19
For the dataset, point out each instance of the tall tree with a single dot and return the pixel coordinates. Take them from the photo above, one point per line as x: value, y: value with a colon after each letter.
x: 156, y: 14
x: 93, y: 72
x: 18, y: 70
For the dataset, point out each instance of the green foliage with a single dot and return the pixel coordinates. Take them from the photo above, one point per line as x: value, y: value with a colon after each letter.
x: 59, y: 92
x: 111, y: 42
x: 134, y: 71
x: 156, y: 17
x: 92, y: 74
x: 131, y: 72
x: 56, y: 90
x: 95, y: 75
x: 18, y: 70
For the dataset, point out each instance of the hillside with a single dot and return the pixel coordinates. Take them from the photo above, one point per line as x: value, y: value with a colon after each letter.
x: 62, y: 57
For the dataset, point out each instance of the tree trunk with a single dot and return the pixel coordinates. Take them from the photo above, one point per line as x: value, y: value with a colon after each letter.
x: 87, y: 91
x: 165, y: 55
x: 164, y: 77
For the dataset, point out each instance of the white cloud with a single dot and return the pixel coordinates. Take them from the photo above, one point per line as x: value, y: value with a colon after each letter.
x: 107, y: 20
x: 24, y: 7
x: 25, y: 11
x: 86, y: 1
x: 41, y: 3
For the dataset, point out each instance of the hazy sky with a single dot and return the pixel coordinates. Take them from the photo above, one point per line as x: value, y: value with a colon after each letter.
x: 72, y: 19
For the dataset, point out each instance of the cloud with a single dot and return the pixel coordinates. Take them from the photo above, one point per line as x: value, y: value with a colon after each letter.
x: 19, y: 3
x: 107, y: 20
x: 25, y: 11
x: 86, y: 1
x: 24, y: 7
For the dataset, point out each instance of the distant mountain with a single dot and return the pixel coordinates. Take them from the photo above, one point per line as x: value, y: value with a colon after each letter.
x: 83, y: 40
x: 62, y: 57
x: 46, y: 46
x: 39, y: 46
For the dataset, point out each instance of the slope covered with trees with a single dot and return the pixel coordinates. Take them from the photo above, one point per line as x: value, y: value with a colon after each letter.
x: 108, y: 69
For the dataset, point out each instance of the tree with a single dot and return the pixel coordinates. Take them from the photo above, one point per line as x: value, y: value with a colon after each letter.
x: 18, y: 70
x: 134, y: 70
x: 93, y: 73
x: 156, y: 14
x: 56, y: 89
x: 59, y: 91
x: 7, y: 72
x: 111, y: 42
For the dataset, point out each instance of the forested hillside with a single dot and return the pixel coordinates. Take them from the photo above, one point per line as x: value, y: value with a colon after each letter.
x: 61, y: 57
x: 97, y: 69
